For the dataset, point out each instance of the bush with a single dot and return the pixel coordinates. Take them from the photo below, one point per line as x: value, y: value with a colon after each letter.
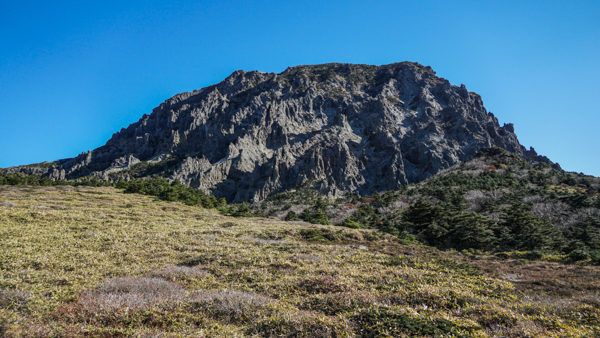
x: 300, y: 324
x: 292, y: 216
x: 390, y: 322
x: 130, y: 293
x: 470, y: 231
x: 238, y: 210
x: 174, y: 272
x: 316, y: 214
x: 23, y: 179
x: 227, y: 305
x: 13, y: 299
x: 577, y: 200
x: 35, y: 180
x: 159, y: 187
x: 583, y: 234
x: 580, y: 254
x: 445, y: 227
x: 318, y: 235
x: 595, y: 257
x: 351, y: 223
x: 171, y: 191
x: 367, y: 214
x: 521, y: 230
x: 532, y: 255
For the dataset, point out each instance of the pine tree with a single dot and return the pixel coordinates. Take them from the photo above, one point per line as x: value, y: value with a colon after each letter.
x: 521, y: 230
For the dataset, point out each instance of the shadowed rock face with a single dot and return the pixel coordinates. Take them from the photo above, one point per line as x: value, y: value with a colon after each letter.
x: 338, y: 127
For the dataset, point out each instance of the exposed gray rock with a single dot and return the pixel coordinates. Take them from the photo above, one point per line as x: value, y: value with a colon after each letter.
x: 338, y: 127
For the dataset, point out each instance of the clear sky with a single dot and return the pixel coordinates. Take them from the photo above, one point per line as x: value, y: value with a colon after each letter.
x: 74, y: 72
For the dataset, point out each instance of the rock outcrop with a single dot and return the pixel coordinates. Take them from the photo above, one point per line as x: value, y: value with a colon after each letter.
x: 337, y: 127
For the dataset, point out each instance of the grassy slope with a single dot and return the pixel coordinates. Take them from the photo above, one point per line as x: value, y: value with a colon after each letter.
x: 82, y: 260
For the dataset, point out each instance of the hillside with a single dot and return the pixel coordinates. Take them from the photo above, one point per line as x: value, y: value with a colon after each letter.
x: 496, y: 202
x: 95, y: 261
x: 340, y: 128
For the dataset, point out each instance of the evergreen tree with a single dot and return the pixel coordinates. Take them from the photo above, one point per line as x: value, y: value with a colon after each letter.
x: 470, y: 231
x: 521, y: 230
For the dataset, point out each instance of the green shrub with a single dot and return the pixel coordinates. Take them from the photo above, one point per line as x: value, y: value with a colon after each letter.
x: 446, y: 227
x: 470, y: 231
x: 170, y: 191
x: 580, y: 254
x: 519, y: 229
x: 583, y: 234
x: 34, y: 180
x: 351, y: 223
x: 533, y: 255
x: 23, y: 179
x: 577, y: 200
x: 316, y: 214
x: 367, y: 215
x: 389, y: 322
x: 292, y: 216
x: 238, y: 210
x: 595, y: 257
x: 318, y: 235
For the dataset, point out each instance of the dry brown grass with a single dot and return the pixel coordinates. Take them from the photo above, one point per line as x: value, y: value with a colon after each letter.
x: 93, y: 261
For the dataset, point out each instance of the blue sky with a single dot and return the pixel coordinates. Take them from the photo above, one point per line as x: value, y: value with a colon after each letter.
x: 74, y: 72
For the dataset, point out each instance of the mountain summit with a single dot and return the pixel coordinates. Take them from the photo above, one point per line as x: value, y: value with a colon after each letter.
x: 337, y: 127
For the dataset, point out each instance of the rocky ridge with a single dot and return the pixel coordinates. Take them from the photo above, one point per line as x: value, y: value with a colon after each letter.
x: 339, y: 128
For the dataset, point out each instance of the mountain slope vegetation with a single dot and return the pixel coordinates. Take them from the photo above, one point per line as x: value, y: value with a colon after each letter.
x: 497, y: 202
x: 326, y: 200
x: 79, y: 260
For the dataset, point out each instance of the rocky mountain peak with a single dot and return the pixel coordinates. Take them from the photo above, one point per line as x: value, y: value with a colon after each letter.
x: 337, y: 127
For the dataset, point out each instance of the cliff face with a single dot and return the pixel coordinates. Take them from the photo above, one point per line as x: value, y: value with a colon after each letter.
x: 337, y: 127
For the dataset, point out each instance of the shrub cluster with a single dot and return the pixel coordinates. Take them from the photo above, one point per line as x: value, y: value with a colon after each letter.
x: 171, y: 191
x: 500, y: 204
x: 158, y: 187
x: 441, y: 216
x: 34, y: 180
x: 446, y: 227
x: 317, y: 214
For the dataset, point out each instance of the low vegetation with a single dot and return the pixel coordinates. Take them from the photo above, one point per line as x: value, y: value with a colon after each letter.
x: 35, y: 180
x: 79, y: 260
x: 153, y: 186
x: 496, y: 203
x: 171, y: 191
